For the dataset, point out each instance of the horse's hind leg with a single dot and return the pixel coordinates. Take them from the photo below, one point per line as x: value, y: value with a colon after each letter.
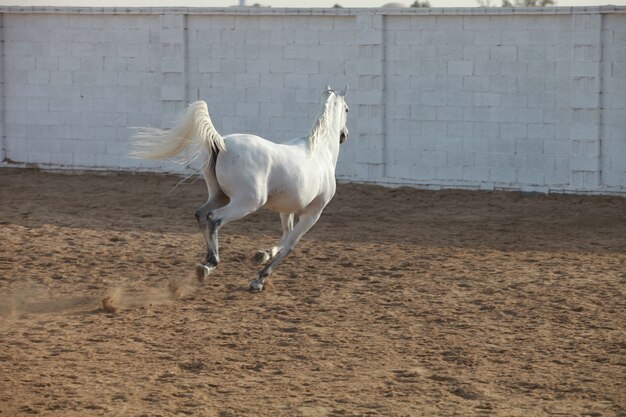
x: 214, y: 220
x: 262, y: 256
x: 217, y: 201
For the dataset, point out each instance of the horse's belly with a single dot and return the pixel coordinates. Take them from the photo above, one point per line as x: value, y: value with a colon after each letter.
x: 286, y: 202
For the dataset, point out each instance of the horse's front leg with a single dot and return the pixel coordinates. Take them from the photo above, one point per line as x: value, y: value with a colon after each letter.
x: 262, y: 256
x: 305, y: 223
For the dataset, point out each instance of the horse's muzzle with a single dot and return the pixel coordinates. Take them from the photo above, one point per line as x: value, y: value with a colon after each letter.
x: 343, y: 135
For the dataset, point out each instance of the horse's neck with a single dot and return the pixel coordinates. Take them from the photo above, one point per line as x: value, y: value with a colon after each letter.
x: 328, y: 122
x: 329, y: 144
x: 332, y: 142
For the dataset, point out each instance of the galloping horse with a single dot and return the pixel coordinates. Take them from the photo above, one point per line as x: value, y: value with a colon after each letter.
x: 245, y: 172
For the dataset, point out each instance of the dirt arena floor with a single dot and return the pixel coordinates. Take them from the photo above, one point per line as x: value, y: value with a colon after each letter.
x: 398, y: 303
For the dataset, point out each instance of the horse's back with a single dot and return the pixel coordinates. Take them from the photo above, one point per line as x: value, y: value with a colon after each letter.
x: 257, y: 154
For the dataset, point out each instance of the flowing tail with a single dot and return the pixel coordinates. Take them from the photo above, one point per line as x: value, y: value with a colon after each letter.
x: 193, y: 132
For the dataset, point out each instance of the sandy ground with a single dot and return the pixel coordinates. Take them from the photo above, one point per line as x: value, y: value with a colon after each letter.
x: 398, y: 303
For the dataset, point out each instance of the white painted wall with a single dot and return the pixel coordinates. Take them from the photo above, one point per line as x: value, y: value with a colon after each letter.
x: 524, y: 99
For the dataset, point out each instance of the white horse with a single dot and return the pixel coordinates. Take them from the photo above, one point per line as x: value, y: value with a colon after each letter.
x: 244, y: 172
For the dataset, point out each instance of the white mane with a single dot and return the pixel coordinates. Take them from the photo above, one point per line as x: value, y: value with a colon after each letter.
x: 322, y: 126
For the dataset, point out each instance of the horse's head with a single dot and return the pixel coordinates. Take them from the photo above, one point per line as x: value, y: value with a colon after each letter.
x: 340, y: 101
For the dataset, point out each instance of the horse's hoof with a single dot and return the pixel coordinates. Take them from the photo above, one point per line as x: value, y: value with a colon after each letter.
x: 256, y: 286
x: 203, y: 272
x: 260, y: 257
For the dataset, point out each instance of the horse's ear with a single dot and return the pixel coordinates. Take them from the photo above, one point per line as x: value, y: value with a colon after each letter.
x: 344, y: 92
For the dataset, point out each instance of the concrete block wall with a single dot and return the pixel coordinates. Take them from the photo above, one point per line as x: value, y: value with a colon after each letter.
x: 75, y: 83
x: 486, y: 103
x: 524, y: 99
x: 2, y: 87
x: 266, y: 74
x: 613, y: 102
